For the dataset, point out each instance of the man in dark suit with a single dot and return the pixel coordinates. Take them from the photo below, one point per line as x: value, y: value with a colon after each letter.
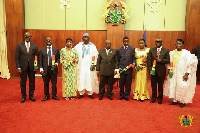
x: 107, y: 62
x: 157, y: 58
x: 126, y: 56
x: 197, y: 53
x: 24, y: 57
x: 48, y: 69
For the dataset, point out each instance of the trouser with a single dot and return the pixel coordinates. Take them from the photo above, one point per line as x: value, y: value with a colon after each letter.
x: 23, y: 78
x: 49, y: 75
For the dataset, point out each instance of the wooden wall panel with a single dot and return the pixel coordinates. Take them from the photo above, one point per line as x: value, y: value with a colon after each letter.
x: 59, y: 37
x: 97, y: 37
x: 193, y: 24
x: 15, y: 28
x: 168, y: 37
x: 15, y: 31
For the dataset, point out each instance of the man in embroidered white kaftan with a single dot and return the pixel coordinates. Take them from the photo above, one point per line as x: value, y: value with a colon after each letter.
x: 181, y: 81
x: 87, y: 75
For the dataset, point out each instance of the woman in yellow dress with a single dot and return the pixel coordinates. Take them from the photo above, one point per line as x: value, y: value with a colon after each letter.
x: 69, y: 59
x: 141, y: 87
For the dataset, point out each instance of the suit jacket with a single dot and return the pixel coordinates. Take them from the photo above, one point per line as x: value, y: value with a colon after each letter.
x: 43, y: 57
x: 197, y: 52
x: 106, y: 64
x: 160, y: 66
x: 126, y: 58
x: 23, y: 58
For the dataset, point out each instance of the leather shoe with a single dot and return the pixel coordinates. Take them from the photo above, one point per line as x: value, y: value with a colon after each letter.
x: 173, y: 103
x: 159, y: 101
x: 80, y: 96
x: 32, y: 99
x: 141, y: 100
x: 126, y: 99
x: 91, y: 96
x: 55, y: 98
x: 100, y: 98
x: 152, y: 101
x: 120, y: 98
x: 182, y: 105
x: 110, y: 98
x: 23, y: 100
x: 46, y: 98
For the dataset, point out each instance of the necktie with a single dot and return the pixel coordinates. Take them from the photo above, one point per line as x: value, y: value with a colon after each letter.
x: 27, y: 47
x: 125, y: 48
x: 49, y: 56
x: 158, y: 52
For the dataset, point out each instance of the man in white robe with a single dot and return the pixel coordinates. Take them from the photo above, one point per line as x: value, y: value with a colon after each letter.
x: 180, y: 86
x: 87, y: 78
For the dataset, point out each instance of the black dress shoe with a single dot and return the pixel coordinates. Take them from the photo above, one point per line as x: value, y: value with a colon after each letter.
x: 46, y: 98
x: 23, y: 100
x: 159, y: 101
x: 55, y: 98
x: 141, y: 100
x: 173, y: 103
x: 182, y: 105
x: 120, y: 98
x: 32, y: 98
x: 110, y: 98
x: 126, y: 99
x: 91, y: 96
x: 80, y: 96
x: 152, y: 101
x: 100, y: 98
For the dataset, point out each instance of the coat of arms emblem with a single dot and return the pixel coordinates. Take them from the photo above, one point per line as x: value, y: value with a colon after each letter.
x: 116, y: 13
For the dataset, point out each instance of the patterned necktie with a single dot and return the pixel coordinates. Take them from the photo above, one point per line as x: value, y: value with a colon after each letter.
x: 125, y: 48
x: 27, y: 47
x: 49, y: 56
x: 158, y: 52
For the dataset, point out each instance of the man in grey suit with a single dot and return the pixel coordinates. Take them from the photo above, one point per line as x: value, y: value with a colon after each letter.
x: 126, y: 56
x: 160, y: 56
x: 48, y: 70
x: 107, y: 62
x: 24, y: 57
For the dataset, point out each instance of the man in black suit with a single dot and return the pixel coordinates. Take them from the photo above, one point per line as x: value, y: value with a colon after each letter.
x: 107, y: 62
x: 126, y: 56
x: 48, y: 69
x: 159, y: 56
x: 197, y: 53
x: 24, y: 57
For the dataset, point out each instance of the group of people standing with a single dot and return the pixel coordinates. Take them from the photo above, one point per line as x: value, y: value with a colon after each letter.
x: 82, y: 64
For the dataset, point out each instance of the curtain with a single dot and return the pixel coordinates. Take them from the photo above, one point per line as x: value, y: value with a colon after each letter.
x: 4, y: 71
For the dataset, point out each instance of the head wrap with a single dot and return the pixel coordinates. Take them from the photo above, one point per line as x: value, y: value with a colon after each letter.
x: 86, y: 34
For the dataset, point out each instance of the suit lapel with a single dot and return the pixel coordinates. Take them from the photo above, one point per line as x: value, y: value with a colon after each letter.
x: 110, y: 52
x: 123, y: 50
x: 128, y: 50
x: 24, y: 46
x: 155, y: 52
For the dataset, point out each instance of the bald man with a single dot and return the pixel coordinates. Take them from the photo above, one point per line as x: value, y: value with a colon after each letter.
x: 24, y: 57
x: 48, y: 70
x: 157, y: 59
x: 107, y: 62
